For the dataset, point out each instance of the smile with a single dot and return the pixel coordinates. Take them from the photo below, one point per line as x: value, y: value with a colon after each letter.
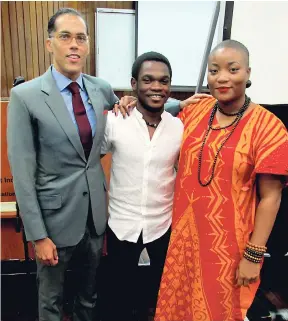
x: 74, y: 57
x: 223, y: 89
x: 156, y: 96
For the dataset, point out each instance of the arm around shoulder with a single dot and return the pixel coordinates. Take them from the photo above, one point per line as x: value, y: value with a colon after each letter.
x: 174, y: 106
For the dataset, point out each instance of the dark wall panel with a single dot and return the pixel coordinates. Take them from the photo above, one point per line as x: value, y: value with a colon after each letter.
x: 24, y: 31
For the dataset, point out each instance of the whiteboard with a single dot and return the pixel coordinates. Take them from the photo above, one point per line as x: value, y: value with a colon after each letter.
x: 264, y: 33
x: 115, y: 46
x: 179, y: 30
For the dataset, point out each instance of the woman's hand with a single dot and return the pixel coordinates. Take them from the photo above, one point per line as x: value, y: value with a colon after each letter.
x: 247, y: 272
x: 193, y: 100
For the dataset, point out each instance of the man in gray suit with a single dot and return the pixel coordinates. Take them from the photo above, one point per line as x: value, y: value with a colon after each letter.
x: 55, y: 128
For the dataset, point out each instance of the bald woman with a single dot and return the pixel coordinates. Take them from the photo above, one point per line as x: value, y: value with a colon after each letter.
x: 232, y: 167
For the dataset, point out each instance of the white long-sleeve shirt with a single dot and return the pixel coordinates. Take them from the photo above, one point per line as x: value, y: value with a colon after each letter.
x: 142, y: 175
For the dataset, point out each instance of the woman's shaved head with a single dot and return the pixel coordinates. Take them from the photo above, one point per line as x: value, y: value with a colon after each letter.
x: 236, y: 45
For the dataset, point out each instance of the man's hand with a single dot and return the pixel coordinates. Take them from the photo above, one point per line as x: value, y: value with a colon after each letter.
x: 125, y: 103
x: 46, y: 252
x: 193, y: 100
x: 247, y: 272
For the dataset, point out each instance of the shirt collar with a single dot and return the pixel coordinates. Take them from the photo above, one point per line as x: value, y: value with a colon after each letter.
x: 62, y: 81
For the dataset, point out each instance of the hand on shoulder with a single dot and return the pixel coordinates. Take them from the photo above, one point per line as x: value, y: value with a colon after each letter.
x: 124, y: 105
x: 193, y: 100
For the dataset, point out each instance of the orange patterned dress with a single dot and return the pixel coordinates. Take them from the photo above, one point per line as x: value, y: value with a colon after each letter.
x: 211, y: 225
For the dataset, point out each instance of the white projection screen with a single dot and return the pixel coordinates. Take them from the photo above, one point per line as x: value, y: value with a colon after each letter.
x: 263, y: 28
x: 179, y: 30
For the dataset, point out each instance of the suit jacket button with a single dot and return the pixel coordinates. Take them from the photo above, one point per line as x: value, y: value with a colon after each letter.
x: 85, y: 193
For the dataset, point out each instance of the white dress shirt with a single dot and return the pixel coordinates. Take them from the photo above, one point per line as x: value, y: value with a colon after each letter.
x: 142, y: 175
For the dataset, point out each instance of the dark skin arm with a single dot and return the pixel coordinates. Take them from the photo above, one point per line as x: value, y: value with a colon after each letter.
x: 270, y: 189
x: 129, y: 102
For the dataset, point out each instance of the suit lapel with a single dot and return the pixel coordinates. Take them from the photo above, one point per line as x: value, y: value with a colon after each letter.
x: 56, y: 103
x: 96, y: 101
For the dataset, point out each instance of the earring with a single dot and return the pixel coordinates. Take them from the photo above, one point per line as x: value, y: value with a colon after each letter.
x: 248, y: 84
x: 207, y: 86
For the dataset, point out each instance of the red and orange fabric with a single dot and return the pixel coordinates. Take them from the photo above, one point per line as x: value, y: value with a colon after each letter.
x: 211, y: 225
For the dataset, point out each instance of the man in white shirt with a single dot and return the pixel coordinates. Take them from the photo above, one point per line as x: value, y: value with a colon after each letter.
x: 145, y: 147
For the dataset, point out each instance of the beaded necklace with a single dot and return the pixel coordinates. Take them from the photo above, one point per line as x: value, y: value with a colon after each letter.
x: 151, y: 124
x: 235, y: 122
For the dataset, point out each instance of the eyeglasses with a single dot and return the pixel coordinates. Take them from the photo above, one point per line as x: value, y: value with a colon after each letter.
x: 66, y: 38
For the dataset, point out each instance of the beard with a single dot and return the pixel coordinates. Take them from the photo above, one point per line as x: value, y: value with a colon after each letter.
x: 149, y: 108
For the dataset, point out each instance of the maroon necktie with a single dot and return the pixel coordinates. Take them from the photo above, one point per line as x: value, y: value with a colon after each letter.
x: 84, y: 127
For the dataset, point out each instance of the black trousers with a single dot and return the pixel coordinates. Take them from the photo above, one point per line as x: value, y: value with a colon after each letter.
x: 126, y: 285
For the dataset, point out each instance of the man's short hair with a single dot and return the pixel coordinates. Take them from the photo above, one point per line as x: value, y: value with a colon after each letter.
x: 234, y: 44
x: 149, y: 56
x: 60, y: 12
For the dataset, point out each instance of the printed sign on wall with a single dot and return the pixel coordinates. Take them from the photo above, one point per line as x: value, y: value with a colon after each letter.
x: 6, y: 179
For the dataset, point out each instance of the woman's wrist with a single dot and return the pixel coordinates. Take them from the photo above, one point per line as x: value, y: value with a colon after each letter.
x: 254, y: 253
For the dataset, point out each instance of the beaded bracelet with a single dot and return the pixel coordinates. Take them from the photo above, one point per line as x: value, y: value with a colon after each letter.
x: 251, y: 259
x: 257, y: 247
x: 254, y: 252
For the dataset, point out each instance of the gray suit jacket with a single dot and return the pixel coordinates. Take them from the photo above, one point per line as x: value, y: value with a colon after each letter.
x: 52, y: 179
